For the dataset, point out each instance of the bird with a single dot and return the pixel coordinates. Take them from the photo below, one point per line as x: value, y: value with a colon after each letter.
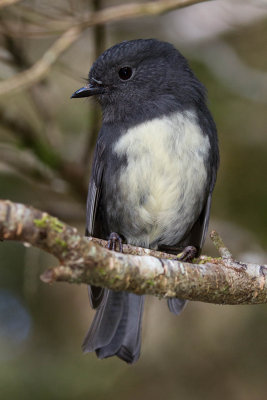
x: 153, y: 174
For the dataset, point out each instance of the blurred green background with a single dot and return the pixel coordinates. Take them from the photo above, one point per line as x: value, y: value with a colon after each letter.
x: 46, y: 143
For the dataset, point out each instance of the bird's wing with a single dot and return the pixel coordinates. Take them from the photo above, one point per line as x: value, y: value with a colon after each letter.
x: 94, y: 227
x: 94, y: 190
x: 196, y: 238
x: 116, y: 327
x: 197, y: 235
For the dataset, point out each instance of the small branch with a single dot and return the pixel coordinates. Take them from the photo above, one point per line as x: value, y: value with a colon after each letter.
x: 121, y: 12
x: 19, y: 127
x: 220, y: 246
x: 94, y: 111
x: 41, y: 68
x: 213, y: 280
x: 26, y: 164
x: 136, y: 10
x: 99, y: 31
x: 110, y: 14
x: 44, y: 109
x: 71, y: 173
x: 6, y: 3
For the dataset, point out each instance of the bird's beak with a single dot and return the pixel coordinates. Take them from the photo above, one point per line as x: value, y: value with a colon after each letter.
x: 87, y: 91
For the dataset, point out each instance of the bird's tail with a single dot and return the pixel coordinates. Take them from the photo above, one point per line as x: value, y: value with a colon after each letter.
x: 176, y: 306
x: 116, y: 327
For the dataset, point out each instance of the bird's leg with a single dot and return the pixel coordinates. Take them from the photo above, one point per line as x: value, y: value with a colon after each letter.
x: 188, y: 253
x: 114, y: 240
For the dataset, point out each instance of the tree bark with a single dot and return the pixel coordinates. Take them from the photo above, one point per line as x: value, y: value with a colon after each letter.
x: 220, y: 280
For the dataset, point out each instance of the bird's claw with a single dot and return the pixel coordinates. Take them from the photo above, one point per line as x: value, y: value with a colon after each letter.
x: 187, y: 254
x: 114, y: 240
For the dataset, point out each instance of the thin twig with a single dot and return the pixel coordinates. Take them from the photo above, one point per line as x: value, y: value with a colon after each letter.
x: 94, y: 111
x: 6, y: 3
x: 220, y: 246
x: 41, y: 68
x: 43, y: 108
x: 72, y: 173
x: 118, y: 13
x: 110, y: 14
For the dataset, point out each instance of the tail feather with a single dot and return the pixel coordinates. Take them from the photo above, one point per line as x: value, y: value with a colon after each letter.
x: 176, y: 306
x: 131, y: 344
x: 105, y: 322
x: 96, y: 295
x: 116, y: 328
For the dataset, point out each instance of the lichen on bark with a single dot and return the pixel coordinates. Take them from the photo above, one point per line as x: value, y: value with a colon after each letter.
x: 221, y: 280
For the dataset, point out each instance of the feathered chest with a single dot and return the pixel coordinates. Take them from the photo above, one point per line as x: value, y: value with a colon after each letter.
x: 161, y: 188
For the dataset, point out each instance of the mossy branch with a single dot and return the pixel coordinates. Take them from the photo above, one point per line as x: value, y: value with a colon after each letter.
x: 142, y: 271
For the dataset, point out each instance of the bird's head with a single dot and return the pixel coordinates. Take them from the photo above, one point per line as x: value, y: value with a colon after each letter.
x: 135, y: 75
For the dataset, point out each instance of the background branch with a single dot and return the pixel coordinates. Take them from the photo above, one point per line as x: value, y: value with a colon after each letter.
x: 222, y: 280
x: 5, y: 3
x: 94, y: 112
x: 41, y: 68
x: 110, y: 14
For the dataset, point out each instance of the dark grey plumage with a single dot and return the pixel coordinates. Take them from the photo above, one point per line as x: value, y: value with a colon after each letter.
x: 152, y: 194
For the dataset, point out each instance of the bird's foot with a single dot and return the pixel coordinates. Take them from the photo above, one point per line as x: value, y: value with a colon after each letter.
x: 115, y: 240
x: 187, y: 254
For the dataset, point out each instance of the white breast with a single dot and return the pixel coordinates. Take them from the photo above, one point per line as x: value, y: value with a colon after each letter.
x: 164, y: 181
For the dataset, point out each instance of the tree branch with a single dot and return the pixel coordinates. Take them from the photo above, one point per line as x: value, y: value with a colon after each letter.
x: 75, y: 28
x: 214, y: 280
x: 94, y: 110
x: 5, y: 3
x: 41, y: 68
x: 134, y: 10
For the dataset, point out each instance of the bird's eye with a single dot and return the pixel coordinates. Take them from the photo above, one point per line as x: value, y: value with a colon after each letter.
x: 125, y: 73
